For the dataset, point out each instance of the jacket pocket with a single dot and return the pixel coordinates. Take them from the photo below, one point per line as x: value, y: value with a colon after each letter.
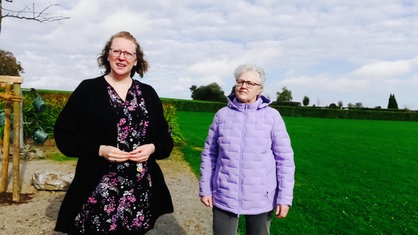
x: 270, y: 195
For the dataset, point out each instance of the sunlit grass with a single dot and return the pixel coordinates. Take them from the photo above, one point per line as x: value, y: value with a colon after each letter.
x: 352, y: 176
x: 59, y: 157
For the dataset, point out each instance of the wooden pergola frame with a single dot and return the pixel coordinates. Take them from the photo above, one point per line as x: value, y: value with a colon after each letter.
x: 12, y: 95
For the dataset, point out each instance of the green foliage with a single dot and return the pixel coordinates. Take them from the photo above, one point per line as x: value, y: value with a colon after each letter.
x: 55, y: 102
x: 33, y: 119
x: 284, y: 96
x: 352, y: 113
x: 286, y: 103
x: 294, y: 109
x: 364, y: 169
x: 211, y: 92
x: 194, y: 105
x: 357, y: 105
x: 171, y: 117
x: 333, y: 106
x: 9, y: 65
x: 59, y: 157
x: 340, y: 104
x: 305, y: 101
x: 392, y: 104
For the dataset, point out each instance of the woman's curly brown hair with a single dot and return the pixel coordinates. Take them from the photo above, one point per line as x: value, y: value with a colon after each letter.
x: 141, y: 66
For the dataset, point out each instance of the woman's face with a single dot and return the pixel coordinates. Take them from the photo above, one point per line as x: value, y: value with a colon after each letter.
x: 122, y: 57
x: 248, y: 87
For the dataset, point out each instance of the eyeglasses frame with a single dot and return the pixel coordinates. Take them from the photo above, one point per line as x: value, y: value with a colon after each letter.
x: 250, y: 85
x: 117, y: 53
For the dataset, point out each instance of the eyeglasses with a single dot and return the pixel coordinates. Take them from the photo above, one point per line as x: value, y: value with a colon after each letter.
x: 249, y: 84
x: 117, y: 53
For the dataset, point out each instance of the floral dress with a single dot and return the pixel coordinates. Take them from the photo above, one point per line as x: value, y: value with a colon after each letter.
x: 121, y: 200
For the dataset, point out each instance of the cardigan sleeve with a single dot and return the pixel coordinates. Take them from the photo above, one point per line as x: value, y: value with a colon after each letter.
x: 86, y: 122
x: 70, y: 127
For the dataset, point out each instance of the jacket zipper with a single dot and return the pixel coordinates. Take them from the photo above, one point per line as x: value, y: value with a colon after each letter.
x: 241, y: 155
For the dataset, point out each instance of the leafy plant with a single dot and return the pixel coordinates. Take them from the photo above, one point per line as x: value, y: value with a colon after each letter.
x: 55, y: 102
x: 34, y: 119
x: 171, y: 117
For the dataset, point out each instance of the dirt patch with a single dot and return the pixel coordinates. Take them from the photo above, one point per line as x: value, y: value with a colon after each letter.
x: 6, y: 198
x: 37, y: 211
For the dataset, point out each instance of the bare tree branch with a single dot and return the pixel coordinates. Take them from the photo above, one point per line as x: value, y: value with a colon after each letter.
x: 30, y: 13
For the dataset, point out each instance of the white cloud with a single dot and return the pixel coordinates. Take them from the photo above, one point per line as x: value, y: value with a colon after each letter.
x: 354, y: 51
x: 383, y: 69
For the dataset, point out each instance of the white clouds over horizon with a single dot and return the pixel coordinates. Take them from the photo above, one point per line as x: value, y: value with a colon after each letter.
x: 358, y: 51
x: 388, y: 68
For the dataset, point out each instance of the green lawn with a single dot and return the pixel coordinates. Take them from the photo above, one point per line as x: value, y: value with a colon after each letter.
x: 352, y: 176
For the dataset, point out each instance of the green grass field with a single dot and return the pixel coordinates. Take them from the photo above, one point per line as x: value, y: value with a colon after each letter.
x: 352, y: 176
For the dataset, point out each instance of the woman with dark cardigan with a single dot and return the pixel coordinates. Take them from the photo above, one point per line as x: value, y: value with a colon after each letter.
x: 115, y: 126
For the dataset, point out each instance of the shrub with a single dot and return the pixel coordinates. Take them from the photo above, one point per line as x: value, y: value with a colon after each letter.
x: 55, y: 102
x: 32, y: 119
x: 171, y: 117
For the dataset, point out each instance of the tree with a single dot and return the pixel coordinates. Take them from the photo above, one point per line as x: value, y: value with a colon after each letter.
x: 9, y: 65
x: 392, y: 104
x: 333, y: 106
x: 284, y: 96
x: 30, y: 13
x: 356, y: 105
x: 211, y: 92
x: 340, y: 104
x: 305, y: 101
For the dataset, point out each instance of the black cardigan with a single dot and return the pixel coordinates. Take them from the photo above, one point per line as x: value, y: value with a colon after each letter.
x: 86, y: 122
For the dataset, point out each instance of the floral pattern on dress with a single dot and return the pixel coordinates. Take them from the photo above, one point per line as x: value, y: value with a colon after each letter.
x: 121, y: 200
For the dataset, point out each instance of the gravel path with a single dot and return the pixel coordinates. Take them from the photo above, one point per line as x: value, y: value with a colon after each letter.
x: 39, y: 214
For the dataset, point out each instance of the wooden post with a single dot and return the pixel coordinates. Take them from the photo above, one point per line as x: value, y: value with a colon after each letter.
x: 6, y: 144
x: 13, y: 99
x: 16, y: 143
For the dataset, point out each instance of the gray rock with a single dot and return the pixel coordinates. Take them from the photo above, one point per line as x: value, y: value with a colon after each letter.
x: 51, y: 181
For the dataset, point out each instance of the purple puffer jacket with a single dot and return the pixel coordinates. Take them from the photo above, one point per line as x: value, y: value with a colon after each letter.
x: 247, y: 162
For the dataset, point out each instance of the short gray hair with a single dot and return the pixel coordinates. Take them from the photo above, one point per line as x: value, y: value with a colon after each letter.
x: 250, y: 67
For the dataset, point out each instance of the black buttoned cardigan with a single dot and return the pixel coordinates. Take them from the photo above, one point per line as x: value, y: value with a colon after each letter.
x: 88, y: 121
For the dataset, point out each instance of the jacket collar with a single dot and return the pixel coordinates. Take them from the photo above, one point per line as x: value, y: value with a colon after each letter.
x: 260, y: 103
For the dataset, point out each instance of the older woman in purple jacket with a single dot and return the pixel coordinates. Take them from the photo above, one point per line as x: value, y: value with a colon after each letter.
x: 247, y: 163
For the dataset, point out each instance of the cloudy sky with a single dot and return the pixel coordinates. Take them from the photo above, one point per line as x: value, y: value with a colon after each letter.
x: 330, y: 51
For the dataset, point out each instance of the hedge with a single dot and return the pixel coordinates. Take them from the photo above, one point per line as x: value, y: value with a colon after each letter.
x: 55, y: 101
x: 354, y: 113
